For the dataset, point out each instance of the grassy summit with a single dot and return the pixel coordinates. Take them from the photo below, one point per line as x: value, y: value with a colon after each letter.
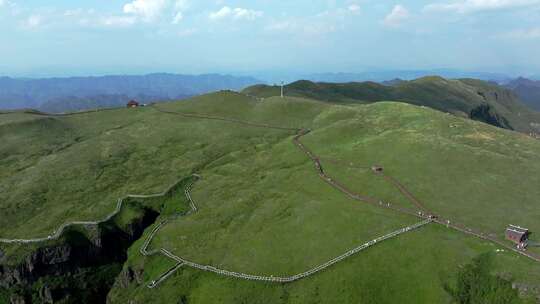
x: 464, y: 97
x: 263, y: 209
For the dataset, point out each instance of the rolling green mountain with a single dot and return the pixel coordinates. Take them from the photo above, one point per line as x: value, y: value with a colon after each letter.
x: 471, y: 98
x: 260, y: 205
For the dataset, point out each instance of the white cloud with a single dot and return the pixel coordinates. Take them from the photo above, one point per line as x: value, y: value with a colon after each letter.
x: 311, y: 26
x: 181, y: 5
x: 187, y: 32
x: 92, y: 18
x: 397, y: 16
x: 32, y: 22
x: 147, y: 10
x: 118, y: 21
x: 355, y: 8
x: 222, y: 13
x: 178, y: 17
x: 468, y: 6
x: 134, y: 12
x: 320, y: 24
x: 242, y: 13
x: 236, y: 13
x: 7, y: 3
x: 72, y: 13
x: 523, y: 34
x: 153, y: 10
x: 79, y: 12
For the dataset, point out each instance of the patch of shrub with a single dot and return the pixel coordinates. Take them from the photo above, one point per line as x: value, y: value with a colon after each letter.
x: 475, y: 284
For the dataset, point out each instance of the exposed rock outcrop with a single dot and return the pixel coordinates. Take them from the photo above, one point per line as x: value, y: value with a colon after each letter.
x: 487, y: 114
x: 128, y: 276
x: 74, y: 253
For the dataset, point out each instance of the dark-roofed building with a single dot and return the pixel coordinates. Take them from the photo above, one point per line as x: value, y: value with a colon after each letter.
x: 377, y: 169
x: 518, y: 235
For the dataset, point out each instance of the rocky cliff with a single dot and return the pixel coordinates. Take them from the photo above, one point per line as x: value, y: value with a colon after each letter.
x: 82, y: 267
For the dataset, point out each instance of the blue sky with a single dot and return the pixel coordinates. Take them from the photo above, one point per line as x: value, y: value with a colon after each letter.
x: 69, y: 37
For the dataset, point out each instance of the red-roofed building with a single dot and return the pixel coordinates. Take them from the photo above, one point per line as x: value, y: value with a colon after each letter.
x: 132, y: 104
x: 518, y: 235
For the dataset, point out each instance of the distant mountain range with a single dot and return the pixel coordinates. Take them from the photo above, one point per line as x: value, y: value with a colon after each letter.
x: 393, y: 82
x: 527, y: 90
x: 379, y: 76
x: 80, y: 93
x: 74, y: 103
x: 476, y: 99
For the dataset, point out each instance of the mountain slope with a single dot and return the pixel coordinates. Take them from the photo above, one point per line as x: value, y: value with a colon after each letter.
x: 460, y: 97
x: 527, y: 90
x: 79, y: 93
x: 262, y: 207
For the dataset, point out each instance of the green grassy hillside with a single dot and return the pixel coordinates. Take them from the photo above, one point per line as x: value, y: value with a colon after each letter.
x: 460, y: 97
x: 262, y: 207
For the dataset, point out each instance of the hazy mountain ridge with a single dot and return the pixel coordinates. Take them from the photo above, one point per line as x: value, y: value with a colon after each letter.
x: 382, y: 76
x: 393, y: 82
x: 375, y: 75
x: 88, y: 92
x: 73, y: 103
x: 528, y: 91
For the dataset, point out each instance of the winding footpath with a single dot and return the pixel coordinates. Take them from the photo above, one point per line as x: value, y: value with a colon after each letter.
x: 56, y: 234
x: 273, y: 279
x: 425, y: 215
